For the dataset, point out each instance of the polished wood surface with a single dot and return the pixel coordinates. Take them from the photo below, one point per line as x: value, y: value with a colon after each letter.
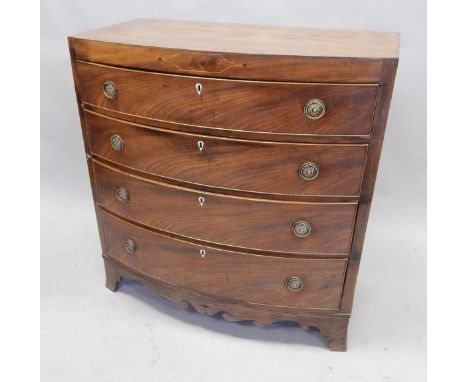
x: 270, y: 107
x: 257, y: 166
x: 236, y: 134
x: 240, y: 51
x: 331, y: 325
x: 231, y: 275
x: 249, y: 117
x: 229, y: 65
x: 258, y: 224
x: 370, y: 176
x: 249, y: 39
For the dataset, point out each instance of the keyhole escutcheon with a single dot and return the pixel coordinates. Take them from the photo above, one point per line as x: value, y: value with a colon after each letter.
x: 200, y: 145
x: 201, y: 200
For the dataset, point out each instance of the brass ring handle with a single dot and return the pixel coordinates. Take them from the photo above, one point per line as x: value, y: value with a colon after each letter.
x: 314, y: 109
x: 110, y: 89
x: 301, y: 228
x: 308, y: 171
x: 294, y: 283
x: 116, y: 142
x: 122, y: 194
x: 130, y: 246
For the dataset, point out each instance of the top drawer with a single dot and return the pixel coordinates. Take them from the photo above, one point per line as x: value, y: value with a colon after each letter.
x: 253, y: 106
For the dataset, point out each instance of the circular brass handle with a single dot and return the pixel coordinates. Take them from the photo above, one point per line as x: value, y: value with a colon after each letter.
x: 308, y: 171
x: 314, y: 109
x: 122, y: 194
x: 110, y: 89
x: 117, y: 142
x: 294, y: 283
x: 301, y: 228
x: 130, y: 246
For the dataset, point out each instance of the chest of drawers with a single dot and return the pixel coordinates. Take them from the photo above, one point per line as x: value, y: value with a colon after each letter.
x: 233, y: 166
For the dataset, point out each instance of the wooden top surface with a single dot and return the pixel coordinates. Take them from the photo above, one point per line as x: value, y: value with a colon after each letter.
x: 248, y: 39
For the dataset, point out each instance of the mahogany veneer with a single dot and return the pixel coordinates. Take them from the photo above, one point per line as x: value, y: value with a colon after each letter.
x: 260, y: 224
x: 230, y: 164
x: 270, y: 107
x: 233, y: 166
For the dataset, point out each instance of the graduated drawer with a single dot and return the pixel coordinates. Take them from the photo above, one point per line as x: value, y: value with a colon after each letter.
x: 255, y: 166
x: 259, y: 224
x: 254, y: 106
x: 256, y: 279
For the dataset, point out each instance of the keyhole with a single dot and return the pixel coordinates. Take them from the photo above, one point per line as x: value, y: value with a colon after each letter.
x: 200, y: 145
x: 202, y: 253
x: 201, y: 200
x: 198, y: 88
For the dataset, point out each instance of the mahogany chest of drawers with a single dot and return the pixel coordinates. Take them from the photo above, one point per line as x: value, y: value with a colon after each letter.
x: 233, y: 166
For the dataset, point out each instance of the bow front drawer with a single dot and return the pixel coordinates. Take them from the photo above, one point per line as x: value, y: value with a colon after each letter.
x: 255, y: 279
x: 255, y: 166
x: 259, y: 224
x: 253, y: 106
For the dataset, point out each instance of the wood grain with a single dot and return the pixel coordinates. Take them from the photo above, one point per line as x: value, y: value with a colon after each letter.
x: 231, y: 275
x: 236, y: 134
x: 255, y: 106
x: 256, y: 224
x: 249, y: 39
x: 332, y: 326
x: 372, y: 165
x: 87, y: 153
x: 240, y: 51
x: 240, y: 66
x: 262, y: 167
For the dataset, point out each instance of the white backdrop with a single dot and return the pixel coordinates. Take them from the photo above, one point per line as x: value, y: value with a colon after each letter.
x: 88, y: 333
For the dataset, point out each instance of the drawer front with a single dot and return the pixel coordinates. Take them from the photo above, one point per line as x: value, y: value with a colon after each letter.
x: 264, y: 167
x: 254, y: 106
x: 241, y: 222
x: 250, y: 278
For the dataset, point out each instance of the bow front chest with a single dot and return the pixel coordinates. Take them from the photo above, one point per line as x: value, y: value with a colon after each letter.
x: 233, y: 166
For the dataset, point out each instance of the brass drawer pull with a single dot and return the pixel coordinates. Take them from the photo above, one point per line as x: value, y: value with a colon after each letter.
x: 308, y: 171
x: 294, y: 283
x: 116, y: 142
x: 122, y: 194
x: 314, y: 109
x: 130, y: 246
x: 110, y: 90
x: 301, y: 228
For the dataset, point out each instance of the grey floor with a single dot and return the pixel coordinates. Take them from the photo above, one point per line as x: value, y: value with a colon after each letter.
x: 92, y: 334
